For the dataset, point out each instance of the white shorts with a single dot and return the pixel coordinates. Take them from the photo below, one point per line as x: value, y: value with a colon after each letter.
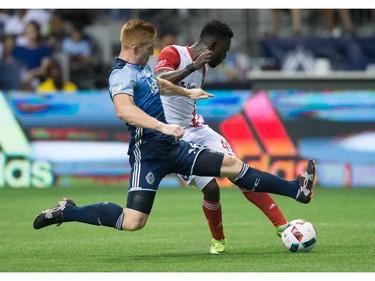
x: 204, y: 135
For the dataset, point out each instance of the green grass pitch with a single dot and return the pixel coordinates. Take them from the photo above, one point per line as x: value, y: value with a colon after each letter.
x: 176, y: 237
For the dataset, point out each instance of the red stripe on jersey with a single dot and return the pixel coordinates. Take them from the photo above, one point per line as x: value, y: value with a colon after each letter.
x: 169, y: 58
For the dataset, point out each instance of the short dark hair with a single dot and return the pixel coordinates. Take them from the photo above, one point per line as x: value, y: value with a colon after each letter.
x: 216, y: 29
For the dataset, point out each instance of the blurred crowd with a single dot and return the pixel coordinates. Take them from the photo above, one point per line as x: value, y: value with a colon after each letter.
x: 31, y: 40
x: 49, y: 50
x: 330, y: 22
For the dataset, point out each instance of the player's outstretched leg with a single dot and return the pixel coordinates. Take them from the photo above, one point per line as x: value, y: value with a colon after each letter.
x: 256, y: 180
x: 101, y: 214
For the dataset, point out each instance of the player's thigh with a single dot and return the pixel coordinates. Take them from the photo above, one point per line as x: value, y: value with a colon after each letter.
x: 144, y: 181
x: 146, y: 175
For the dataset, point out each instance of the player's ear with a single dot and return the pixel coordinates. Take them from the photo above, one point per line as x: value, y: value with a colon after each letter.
x: 135, y: 49
x: 211, y: 44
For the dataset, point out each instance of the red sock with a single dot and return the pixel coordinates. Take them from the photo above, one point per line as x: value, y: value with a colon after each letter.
x: 212, y: 211
x: 268, y: 206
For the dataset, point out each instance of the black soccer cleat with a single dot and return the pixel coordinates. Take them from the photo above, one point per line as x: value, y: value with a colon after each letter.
x: 54, y: 215
x: 306, y: 183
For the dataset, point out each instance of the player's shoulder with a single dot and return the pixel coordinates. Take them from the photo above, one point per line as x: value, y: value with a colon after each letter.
x: 121, y: 66
x: 169, y: 59
x: 123, y: 72
x: 170, y: 50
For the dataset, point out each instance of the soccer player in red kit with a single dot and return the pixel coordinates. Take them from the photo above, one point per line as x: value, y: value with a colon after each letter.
x: 187, y: 67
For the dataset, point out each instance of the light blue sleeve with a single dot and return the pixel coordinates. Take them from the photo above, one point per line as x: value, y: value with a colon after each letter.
x: 122, y: 81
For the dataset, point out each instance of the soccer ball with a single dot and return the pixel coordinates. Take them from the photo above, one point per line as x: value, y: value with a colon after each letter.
x: 299, y: 236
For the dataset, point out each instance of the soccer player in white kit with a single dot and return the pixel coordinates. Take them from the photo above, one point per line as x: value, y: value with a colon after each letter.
x: 187, y: 66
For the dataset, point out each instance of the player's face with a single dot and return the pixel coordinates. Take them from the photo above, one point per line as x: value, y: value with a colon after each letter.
x: 145, y: 51
x: 219, y: 51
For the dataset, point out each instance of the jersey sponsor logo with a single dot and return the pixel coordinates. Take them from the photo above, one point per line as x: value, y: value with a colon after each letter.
x: 188, y: 85
x: 16, y: 170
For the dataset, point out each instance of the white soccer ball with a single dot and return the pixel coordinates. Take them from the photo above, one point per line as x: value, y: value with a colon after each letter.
x: 299, y: 236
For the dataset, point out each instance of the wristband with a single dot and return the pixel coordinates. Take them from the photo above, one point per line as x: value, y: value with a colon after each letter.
x: 190, y: 68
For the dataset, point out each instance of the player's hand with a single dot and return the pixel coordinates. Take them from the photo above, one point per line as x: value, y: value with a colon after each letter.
x: 202, y: 59
x: 199, y: 94
x: 173, y: 130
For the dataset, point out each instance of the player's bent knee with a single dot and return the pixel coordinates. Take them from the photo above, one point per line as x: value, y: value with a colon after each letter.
x: 212, y: 191
x: 211, y: 188
x: 134, y: 220
x: 132, y: 226
x: 231, y: 166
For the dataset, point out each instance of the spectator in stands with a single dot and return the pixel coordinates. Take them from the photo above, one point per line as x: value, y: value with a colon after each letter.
x: 331, y: 26
x: 10, y: 69
x: 4, y: 17
x: 6, y: 47
x: 78, y: 47
x: 34, y: 55
x: 16, y: 24
x: 277, y: 16
x: 167, y: 36
x: 57, y: 31
x: 54, y: 80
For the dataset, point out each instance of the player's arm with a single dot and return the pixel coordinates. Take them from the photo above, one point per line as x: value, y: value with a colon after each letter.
x: 169, y: 60
x: 127, y: 111
x: 174, y: 76
x: 168, y: 88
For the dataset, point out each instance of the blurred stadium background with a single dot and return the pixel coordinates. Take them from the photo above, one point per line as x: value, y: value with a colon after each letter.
x: 287, y: 92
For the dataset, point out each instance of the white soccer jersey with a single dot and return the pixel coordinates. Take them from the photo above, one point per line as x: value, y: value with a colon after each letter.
x: 181, y: 110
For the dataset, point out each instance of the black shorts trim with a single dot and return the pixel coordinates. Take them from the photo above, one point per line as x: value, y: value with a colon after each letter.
x: 208, y: 163
x: 141, y: 200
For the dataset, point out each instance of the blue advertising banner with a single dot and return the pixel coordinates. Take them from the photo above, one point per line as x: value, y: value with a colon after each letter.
x: 336, y: 128
x: 47, y: 139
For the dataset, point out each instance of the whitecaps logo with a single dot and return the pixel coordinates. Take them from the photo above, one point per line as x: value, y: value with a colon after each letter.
x: 150, y: 178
